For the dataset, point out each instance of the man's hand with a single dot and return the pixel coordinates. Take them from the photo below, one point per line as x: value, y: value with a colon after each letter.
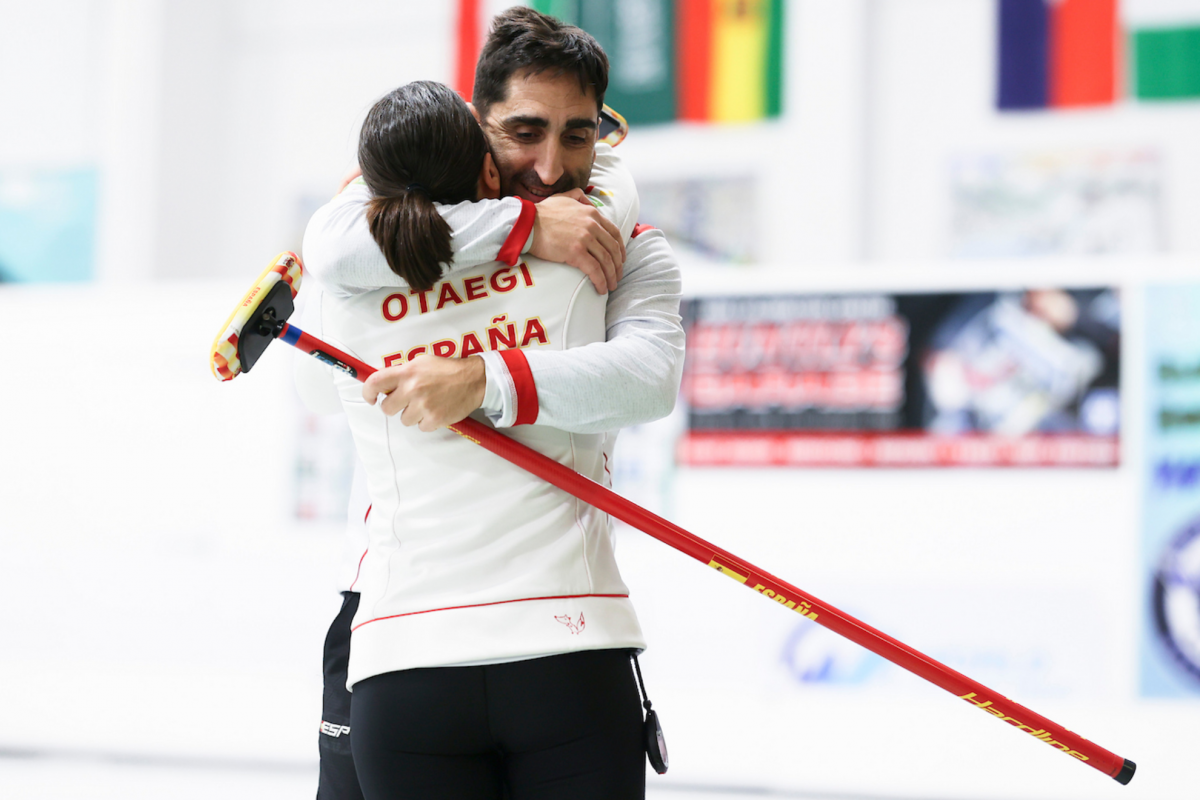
x: 570, y: 230
x: 429, y: 392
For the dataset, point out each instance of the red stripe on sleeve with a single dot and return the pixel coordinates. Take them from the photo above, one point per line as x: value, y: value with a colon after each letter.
x: 510, y: 251
x: 527, y: 401
x: 639, y: 229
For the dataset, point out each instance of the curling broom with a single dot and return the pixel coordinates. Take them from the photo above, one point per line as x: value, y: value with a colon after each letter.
x: 262, y: 316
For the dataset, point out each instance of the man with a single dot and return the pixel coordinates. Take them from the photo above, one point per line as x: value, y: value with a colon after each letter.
x: 541, y: 124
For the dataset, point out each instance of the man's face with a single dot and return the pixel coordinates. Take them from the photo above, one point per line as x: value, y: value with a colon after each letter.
x: 542, y: 135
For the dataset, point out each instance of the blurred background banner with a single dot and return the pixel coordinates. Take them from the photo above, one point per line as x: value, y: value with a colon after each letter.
x: 976, y: 379
x: 1169, y: 651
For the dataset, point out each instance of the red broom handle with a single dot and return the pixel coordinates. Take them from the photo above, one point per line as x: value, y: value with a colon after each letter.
x: 761, y: 581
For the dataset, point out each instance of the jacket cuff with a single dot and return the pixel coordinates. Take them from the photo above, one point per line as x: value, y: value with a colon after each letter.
x: 526, y: 390
x: 499, y: 394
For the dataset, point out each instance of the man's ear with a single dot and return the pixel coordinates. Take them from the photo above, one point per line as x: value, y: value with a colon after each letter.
x: 489, y: 179
x: 474, y: 112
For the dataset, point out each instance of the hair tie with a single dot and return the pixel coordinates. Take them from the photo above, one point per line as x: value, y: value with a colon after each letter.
x: 416, y: 187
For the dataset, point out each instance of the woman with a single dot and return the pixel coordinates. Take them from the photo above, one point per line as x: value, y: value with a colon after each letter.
x: 491, y: 647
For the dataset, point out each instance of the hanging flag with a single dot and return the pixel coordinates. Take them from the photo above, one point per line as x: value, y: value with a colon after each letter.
x: 468, y: 43
x: 1024, y: 51
x: 739, y: 60
x: 638, y: 36
x: 1164, y: 41
x: 1083, y: 53
x: 693, y: 46
x: 730, y: 59
x: 774, y: 75
x: 1056, y: 53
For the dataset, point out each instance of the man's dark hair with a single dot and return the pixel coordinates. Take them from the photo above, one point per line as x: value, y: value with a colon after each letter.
x: 522, y: 39
x: 419, y: 145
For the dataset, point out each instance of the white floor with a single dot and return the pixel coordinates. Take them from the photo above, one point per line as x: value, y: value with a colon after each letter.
x: 82, y: 776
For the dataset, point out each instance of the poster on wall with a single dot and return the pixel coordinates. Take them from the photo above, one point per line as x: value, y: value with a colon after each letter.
x: 710, y: 218
x: 1169, y: 650
x: 1056, y: 203
x: 986, y: 379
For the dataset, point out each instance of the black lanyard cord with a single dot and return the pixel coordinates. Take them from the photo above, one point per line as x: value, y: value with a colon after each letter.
x: 637, y: 668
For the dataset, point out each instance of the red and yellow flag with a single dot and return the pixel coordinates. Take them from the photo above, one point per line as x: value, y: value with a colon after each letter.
x: 730, y: 59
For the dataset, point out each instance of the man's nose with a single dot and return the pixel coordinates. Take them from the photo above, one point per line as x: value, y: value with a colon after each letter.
x: 549, y: 164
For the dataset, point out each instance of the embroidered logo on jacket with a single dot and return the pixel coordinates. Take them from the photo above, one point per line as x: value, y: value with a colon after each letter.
x: 572, y: 625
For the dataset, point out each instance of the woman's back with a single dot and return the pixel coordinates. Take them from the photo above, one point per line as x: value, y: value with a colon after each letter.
x: 471, y: 558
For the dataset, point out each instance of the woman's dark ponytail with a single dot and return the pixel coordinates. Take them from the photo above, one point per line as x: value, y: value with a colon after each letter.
x: 419, y: 145
x: 414, y: 238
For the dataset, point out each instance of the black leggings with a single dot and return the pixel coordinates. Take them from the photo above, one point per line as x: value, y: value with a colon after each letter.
x: 565, y: 727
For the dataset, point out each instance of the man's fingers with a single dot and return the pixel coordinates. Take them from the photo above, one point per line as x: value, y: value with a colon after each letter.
x: 583, y: 238
x: 615, y: 233
x: 586, y: 263
x: 383, y: 389
x: 394, y: 403
x: 607, y: 251
x: 608, y: 267
x: 381, y: 382
x: 578, y: 196
x: 422, y: 416
x: 412, y: 415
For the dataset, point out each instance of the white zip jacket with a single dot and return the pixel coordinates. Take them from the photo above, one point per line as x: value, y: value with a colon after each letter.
x: 471, y: 559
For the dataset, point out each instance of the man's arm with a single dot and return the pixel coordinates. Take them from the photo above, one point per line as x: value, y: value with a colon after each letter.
x: 340, y: 252
x: 631, y: 378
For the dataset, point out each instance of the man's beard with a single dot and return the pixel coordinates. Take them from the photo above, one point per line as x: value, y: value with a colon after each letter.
x: 530, y: 181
